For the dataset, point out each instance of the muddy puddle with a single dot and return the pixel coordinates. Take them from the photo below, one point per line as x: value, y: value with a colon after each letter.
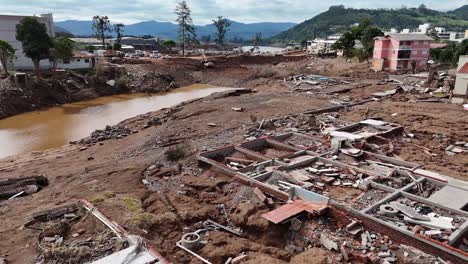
x: 57, y: 126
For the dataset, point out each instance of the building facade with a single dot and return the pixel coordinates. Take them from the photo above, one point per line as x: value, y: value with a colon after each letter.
x: 461, y: 82
x: 400, y: 51
x: 8, y: 33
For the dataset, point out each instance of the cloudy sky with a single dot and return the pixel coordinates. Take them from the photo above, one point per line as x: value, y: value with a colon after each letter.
x: 131, y: 11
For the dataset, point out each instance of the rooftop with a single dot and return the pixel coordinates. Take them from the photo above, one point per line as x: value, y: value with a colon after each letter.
x: 405, y: 37
x: 409, y: 36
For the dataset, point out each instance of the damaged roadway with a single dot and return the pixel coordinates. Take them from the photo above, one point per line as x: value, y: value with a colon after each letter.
x: 150, y: 182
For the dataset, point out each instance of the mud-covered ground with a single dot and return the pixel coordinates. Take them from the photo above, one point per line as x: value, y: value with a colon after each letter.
x: 110, y: 174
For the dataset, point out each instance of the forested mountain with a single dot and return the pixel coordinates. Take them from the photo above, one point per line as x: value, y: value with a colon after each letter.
x: 340, y: 18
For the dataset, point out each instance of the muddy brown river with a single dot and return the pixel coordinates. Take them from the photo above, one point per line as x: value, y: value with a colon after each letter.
x: 56, y: 126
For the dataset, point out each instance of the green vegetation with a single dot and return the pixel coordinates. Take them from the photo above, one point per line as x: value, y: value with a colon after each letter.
x: 118, y: 29
x: 101, y: 26
x: 102, y: 197
x: 36, y: 42
x: 187, y: 31
x: 143, y: 220
x: 222, y: 27
x: 61, y: 51
x: 451, y: 53
x: 365, y: 33
x: 7, y: 53
x: 339, y: 19
x: 169, y: 44
x: 132, y: 204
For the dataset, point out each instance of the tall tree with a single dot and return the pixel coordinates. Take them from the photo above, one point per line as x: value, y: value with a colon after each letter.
x: 7, y: 53
x: 434, y: 34
x: 257, y: 40
x: 119, y: 29
x: 61, y: 51
x: 187, y: 32
x: 222, y: 27
x: 36, y: 42
x: 367, y: 39
x: 101, y: 25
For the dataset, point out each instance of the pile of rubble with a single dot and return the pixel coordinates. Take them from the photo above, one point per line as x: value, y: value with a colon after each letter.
x: 457, y: 148
x: 325, y: 174
x: 110, y: 132
x: 12, y: 188
x: 309, y: 82
x: 419, y: 218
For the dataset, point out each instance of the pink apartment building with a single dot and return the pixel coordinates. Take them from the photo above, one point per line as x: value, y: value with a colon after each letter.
x: 397, y: 51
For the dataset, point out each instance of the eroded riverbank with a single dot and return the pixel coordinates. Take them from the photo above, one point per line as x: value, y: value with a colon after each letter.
x: 56, y: 126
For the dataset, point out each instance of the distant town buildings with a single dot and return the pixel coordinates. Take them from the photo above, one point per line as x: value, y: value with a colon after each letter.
x: 428, y: 29
x: 401, y: 51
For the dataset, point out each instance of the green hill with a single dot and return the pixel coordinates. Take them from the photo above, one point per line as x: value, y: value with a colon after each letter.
x: 339, y: 18
x: 461, y: 13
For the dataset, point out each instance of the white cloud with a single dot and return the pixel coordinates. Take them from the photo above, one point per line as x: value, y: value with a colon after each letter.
x: 202, y: 10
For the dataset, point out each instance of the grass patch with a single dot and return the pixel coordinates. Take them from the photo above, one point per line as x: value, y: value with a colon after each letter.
x: 98, y: 198
x: 143, y: 220
x: 265, y: 73
x: 131, y: 203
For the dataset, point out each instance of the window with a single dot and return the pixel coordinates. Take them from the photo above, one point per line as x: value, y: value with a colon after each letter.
x: 414, y: 52
x: 426, y: 42
x: 86, y: 60
x: 416, y: 42
x: 78, y: 60
x: 424, y: 52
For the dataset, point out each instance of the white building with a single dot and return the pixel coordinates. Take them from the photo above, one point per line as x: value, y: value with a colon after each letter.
x: 452, y: 36
x: 8, y: 33
x: 461, y: 82
x: 424, y: 28
x: 320, y: 46
x: 439, y: 29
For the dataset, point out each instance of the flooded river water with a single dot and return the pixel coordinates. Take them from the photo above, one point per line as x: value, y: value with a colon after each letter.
x: 56, y: 126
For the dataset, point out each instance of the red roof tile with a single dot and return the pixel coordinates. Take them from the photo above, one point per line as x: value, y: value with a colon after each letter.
x: 291, y: 209
x: 464, y: 69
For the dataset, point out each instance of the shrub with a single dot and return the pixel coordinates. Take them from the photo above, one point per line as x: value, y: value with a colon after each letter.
x: 178, y: 152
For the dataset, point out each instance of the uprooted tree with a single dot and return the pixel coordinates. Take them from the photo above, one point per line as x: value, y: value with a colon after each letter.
x: 7, y: 53
x: 101, y: 26
x: 36, y: 42
x: 187, y: 32
x: 222, y: 27
x: 61, y: 51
